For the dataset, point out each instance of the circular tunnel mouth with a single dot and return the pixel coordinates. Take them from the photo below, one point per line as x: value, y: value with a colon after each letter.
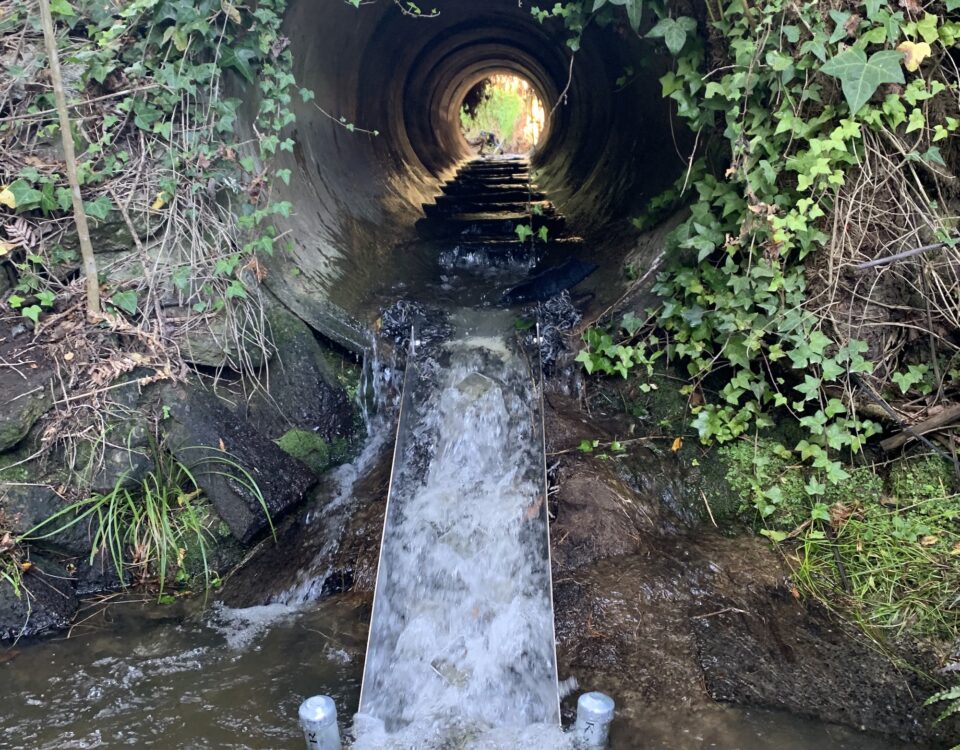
x: 599, y: 150
x: 502, y: 114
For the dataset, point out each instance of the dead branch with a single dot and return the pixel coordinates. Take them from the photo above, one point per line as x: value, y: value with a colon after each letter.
x: 945, y: 418
x: 70, y: 157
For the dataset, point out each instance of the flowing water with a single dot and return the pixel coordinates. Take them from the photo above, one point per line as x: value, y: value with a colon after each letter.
x: 159, y: 677
x: 462, y: 631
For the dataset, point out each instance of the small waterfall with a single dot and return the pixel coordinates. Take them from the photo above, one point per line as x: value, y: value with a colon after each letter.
x: 377, y: 399
x: 461, y: 639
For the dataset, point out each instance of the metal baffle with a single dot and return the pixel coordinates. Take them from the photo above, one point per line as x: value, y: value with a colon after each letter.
x: 383, y: 700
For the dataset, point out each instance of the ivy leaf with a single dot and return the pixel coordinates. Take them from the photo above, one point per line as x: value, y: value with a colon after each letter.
x: 860, y: 77
x: 239, y: 60
x: 933, y: 156
x: 635, y: 13
x: 236, y: 289
x: 631, y: 323
x: 231, y: 11
x: 873, y: 8
x: 927, y: 28
x: 46, y: 298
x: 126, y: 301
x: 674, y: 32
x: 820, y: 511
x: 32, y: 312
x: 810, y: 387
x: 840, y: 18
x: 99, y: 208
x: 25, y: 196
x: 62, y: 8
x: 916, y: 121
x: 913, y: 54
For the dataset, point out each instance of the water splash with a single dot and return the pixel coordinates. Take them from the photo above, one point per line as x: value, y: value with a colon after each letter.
x: 377, y: 398
x: 462, y: 636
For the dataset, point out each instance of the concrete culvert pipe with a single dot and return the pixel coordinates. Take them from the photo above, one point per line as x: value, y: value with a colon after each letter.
x: 606, y: 150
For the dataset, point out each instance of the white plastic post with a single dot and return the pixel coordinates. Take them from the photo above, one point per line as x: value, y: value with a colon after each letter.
x: 318, y: 718
x: 594, y: 714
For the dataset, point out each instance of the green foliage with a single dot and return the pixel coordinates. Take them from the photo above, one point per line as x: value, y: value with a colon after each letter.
x: 786, y: 493
x: 860, y: 77
x: 151, y: 530
x: 11, y: 571
x: 162, y: 65
x: 951, y: 697
x: 498, y: 112
x: 736, y: 308
x: 620, y: 352
x: 917, y: 480
x: 899, y: 561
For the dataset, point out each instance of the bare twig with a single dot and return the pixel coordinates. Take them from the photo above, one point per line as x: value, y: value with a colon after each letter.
x: 900, y: 256
x: 66, y: 136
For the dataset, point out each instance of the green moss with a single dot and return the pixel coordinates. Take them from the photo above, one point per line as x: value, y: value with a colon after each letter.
x: 9, y: 472
x: 661, y: 407
x: 763, y: 475
x: 307, y: 447
x: 914, y: 480
x: 726, y: 505
x: 864, y: 486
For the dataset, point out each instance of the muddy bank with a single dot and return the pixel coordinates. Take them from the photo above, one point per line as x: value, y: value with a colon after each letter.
x: 669, y: 615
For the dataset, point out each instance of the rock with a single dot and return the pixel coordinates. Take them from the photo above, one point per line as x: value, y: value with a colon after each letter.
x: 300, y: 390
x: 6, y: 282
x: 225, y: 455
x: 97, y: 575
x: 597, y: 516
x: 127, y: 453
x: 112, y: 234
x: 328, y: 546
x: 24, y: 506
x: 209, y: 340
x: 24, y: 392
x: 47, y: 601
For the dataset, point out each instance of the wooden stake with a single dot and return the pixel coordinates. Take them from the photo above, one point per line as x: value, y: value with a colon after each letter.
x: 66, y: 136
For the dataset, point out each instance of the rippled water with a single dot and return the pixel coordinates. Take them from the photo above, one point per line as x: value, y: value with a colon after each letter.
x: 159, y: 677
x: 147, y: 676
x: 462, y: 636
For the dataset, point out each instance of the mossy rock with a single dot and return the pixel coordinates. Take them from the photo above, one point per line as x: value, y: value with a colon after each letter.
x: 22, y: 411
x: 307, y: 447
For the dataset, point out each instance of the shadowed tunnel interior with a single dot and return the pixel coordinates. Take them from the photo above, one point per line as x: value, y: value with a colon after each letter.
x: 608, y: 147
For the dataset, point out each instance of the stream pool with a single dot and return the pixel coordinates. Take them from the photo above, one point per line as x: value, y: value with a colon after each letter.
x: 141, y: 675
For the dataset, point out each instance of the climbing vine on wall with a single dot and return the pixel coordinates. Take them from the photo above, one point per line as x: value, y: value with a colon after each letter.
x: 825, y: 141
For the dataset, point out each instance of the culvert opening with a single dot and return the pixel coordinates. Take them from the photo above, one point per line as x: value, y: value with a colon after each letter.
x: 605, y: 148
x: 502, y: 114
